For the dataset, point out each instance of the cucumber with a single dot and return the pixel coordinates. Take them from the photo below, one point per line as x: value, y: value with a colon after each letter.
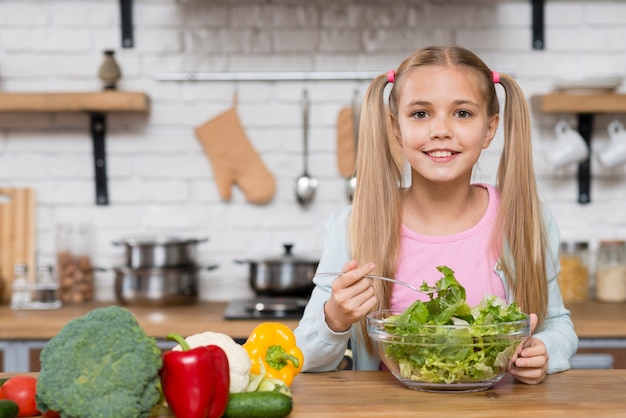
x: 8, y: 409
x: 258, y: 405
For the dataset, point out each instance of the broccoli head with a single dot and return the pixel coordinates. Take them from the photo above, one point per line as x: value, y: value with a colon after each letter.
x: 100, y: 365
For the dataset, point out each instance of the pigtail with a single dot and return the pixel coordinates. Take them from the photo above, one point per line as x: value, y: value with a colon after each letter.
x: 376, y: 209
x: 374, y: 225
x: 520, y: 218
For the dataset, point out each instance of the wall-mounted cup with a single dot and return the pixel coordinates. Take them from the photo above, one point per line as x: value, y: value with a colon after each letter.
x: 615, y: 153
x: 570, y: 146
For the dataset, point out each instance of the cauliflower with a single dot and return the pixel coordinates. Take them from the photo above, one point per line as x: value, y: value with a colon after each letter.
x: 238, y: 359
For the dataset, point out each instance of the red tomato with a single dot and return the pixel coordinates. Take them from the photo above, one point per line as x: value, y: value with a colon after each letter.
x: 21, y: 390
x: 2, y: 395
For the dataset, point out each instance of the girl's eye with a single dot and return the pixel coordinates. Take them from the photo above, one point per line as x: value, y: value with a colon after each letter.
x: 463, y: 114
x: 420, y: 114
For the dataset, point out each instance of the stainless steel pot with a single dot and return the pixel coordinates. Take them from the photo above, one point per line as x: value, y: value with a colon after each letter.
x: 156, y: 286
x: 285, y: 275
x: 160, y: 251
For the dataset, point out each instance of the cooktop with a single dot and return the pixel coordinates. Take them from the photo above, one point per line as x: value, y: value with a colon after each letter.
x: 266, y: 308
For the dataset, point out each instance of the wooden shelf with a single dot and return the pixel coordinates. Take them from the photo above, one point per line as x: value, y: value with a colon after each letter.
x: 582, y: 103
x: 103, y: 101
x: 97, y: 104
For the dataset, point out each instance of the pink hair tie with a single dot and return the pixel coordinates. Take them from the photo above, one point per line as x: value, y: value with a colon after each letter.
x: 391, y: 76
x: 495, y: 76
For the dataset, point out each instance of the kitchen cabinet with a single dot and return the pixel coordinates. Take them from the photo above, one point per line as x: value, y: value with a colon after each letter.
x: 97, y: 104
x: 20, y: 356
x: 602, y: 334
x: 600, y: 354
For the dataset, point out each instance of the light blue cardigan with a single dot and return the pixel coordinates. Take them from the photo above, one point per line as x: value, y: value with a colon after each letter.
x: 324, y: 349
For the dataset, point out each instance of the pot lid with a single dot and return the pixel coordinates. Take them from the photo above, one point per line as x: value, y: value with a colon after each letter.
x: 289, y: 257
x: 158, y: 240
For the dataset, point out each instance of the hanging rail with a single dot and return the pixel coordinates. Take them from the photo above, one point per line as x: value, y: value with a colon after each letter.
x: 268, y: 76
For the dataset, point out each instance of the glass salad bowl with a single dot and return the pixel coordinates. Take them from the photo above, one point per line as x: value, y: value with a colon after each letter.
x: 446, y: 358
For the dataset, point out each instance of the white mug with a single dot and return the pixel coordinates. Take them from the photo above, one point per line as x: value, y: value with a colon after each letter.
x: 570, y: 146
x: 614, y: 153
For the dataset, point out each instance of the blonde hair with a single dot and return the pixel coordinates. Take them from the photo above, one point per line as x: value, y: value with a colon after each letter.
x: 376, y: 218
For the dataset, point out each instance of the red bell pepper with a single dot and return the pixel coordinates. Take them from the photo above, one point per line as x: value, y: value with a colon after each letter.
x: 195, y: 381
x: 221, y: 381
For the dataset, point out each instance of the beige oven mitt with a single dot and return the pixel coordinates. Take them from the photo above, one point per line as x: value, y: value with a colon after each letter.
x: 346, y: 143
x: 234, y: 160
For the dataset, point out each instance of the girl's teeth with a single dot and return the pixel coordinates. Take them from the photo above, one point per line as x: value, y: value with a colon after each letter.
x: 440, y: 154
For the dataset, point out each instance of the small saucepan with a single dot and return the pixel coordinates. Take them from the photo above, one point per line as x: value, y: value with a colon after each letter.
x: 284, y: 275
x: 156, y: 286
x: 160, y: 251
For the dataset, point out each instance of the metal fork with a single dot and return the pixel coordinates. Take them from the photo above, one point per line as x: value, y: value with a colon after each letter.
x: 387, y: 279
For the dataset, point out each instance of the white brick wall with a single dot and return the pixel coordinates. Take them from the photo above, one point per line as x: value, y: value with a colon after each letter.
x: 159, y: 178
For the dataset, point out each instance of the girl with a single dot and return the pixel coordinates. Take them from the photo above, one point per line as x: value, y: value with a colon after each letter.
x: 499, y: 240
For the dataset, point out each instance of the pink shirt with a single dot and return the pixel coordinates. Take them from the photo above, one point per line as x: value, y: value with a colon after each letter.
x: 467, y: 253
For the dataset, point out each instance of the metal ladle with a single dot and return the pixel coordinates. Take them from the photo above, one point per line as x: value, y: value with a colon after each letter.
x: 305, y: 184
x: 351, y: 182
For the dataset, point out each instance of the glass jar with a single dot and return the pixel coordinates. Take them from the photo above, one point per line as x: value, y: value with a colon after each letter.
x: 74, y: 268
x: 574, y: 275
x: 47, y: 285
x: 611, y: 271
x: 20, y: 295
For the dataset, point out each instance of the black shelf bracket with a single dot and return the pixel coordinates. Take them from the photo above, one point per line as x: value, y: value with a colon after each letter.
x: 585, y: 128
x: 538, y: 24
x: 126, y: 17
x: 98, y: 135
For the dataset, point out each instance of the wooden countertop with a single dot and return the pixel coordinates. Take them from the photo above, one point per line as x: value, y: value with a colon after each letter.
x: 574, y: 393
x: 598, y: 320
x: 156, y: 321
x: 591, y: 320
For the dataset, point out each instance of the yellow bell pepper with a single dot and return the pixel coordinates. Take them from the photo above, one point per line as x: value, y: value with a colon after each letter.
x: 274, y: 345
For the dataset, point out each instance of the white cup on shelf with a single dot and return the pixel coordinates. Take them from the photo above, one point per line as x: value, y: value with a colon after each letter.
x: 615, y: 153
x: 570, y: 146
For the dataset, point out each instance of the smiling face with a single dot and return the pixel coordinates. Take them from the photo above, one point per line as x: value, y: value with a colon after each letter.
x: 443, y: 122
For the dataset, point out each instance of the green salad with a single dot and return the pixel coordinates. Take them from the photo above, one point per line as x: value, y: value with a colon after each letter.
x: 476, y: 346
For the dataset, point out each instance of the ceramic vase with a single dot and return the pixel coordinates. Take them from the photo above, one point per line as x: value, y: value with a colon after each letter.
x: 109, y: 72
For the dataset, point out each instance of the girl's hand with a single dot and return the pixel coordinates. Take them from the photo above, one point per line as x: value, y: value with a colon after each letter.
x: 531, y: 365
x: 352, y: 296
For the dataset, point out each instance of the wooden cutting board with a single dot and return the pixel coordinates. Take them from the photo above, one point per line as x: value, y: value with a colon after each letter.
x: 17, y: 234
x: 346, y: 142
